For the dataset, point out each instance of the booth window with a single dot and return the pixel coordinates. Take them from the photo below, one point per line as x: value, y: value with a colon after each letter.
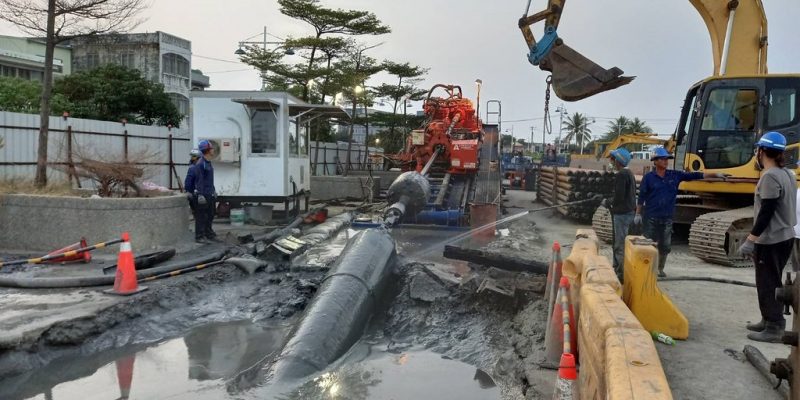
x: 264, y: 133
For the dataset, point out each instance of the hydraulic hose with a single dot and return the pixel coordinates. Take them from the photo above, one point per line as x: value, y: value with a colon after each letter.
x: 105, y: 280
x: 706, y: 279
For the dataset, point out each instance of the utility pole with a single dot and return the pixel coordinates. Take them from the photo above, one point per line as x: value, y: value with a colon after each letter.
x: 561, y: 110
x: 531, y: 142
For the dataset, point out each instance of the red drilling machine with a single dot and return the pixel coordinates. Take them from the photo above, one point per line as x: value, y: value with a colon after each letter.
x: 443, y: 162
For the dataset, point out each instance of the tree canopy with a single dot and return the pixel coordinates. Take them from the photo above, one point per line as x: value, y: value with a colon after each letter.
x: 108, y: 93
x: 623, y: 125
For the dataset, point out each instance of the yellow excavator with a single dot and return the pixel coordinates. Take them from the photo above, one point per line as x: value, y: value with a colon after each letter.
x: 722, y: 116
x: 602, y: 150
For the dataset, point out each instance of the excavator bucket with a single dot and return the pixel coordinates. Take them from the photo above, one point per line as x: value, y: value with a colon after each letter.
x: 576, y: 77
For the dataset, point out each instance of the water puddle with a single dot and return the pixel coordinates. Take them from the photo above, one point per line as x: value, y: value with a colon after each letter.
x: 370, y: 372
x: 192, y: 367
x: 201, y: 364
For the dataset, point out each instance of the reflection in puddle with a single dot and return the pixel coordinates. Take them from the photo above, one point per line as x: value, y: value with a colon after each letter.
x: 192, y: 367
x: 199, y: 365
x: 370, y: 372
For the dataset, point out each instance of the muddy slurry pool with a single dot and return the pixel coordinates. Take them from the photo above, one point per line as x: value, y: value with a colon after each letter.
x: 434, y: 335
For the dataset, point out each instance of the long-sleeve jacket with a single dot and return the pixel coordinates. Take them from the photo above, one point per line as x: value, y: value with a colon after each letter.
x: 657, y: 194
x: 204, y: 177
x: 624, y: 200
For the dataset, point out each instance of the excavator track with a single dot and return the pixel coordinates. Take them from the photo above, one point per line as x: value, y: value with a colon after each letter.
x: 715, y: 237
x: 602, y: 225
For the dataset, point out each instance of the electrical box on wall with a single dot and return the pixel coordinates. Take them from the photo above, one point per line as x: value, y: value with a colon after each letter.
x: 226, y: 149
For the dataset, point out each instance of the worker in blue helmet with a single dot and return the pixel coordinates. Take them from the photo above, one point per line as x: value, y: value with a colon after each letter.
x: 771, y: 239
x: 204, y: 193
x: 656, y: 205
x: 189, y: 182
x: 622, y: 205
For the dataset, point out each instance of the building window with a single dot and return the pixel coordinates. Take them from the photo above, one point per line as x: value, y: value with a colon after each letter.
x: 175, y: 65
x: 127, y: 60
x: 21, y: 73
x: 264, y: 134
x: 181, y: 103
x: 92, y: 61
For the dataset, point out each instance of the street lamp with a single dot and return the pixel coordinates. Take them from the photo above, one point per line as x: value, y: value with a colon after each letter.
x: 358, y: 89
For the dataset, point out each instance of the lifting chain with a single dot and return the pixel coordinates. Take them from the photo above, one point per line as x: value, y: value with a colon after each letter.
x: 547, y: 123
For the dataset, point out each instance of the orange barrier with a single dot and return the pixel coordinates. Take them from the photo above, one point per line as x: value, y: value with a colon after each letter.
x: 70, y: 254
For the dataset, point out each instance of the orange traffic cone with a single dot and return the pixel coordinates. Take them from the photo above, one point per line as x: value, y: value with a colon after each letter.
x: 556, y: 343
x: 125, y: 375
x: 553, y: 275
x: 84, y: 256
x: 125, y: 281
x: 567, y: 377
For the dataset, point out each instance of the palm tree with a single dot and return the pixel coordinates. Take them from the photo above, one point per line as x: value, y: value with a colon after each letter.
x: 638, y: 126
x: 577, y: 126
x: 617, y: 127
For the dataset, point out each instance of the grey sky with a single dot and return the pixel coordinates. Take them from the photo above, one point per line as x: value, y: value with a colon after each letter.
x: 663, y: 42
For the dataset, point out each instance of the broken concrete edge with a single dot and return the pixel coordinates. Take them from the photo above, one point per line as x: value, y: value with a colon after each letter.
x: 96, y: 219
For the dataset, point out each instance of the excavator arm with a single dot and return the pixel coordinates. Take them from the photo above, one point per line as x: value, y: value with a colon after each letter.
x: 575, y: 77
x: 738, y: 31
x: 637, y: 138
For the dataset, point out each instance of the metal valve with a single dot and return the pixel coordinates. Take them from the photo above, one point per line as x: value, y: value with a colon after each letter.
x: 781, y: 368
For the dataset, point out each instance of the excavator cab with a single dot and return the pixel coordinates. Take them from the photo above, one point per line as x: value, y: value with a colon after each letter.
x: 574, y: 77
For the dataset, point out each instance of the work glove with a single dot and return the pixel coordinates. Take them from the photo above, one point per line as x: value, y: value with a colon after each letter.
x: 747, y: 249
x: 723, y: 176
x: 189, y: 195
x: 637, y: 220
x: 201, y: 200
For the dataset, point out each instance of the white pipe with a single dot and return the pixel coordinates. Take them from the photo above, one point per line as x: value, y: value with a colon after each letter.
x: 726, y: 47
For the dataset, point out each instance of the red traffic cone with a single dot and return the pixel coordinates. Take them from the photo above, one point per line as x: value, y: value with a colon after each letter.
x: 553, y: 275
x: 125, y: 375
x: 125, y: 282
x: 567, y: 377
x: 83, y: 256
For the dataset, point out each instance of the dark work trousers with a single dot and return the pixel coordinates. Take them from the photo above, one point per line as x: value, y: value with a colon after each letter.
x: 203, y: 218
x: 770, y: 260
x: 659, y: 230
x: 212, y: 209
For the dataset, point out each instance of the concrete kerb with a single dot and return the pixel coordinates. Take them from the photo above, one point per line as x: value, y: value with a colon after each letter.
x: 44, y: 223
x: 344, y: 187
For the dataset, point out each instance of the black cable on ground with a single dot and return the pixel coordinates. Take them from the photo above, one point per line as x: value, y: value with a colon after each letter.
x: 706, y: 279
x: 105, y: 280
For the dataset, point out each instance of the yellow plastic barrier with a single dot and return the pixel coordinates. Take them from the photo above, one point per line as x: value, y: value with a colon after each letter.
x: 585, y: 245
x: 601, y: 310
x: 641, y: 293
x: 597, y: 269
x: 633, y: 369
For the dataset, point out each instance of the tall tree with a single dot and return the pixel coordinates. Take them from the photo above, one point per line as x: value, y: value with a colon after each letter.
x: 113, y: 92
x: 324, y: 22
x: 622, y: 125
x: 57, y: 21
x: 577, y: 127
x: 406, y: 88
x: 617, y: 127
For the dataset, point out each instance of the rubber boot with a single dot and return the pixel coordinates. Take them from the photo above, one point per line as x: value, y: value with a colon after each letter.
x: 662, y: 261
x: 772, y: 333
x: 756, y: 327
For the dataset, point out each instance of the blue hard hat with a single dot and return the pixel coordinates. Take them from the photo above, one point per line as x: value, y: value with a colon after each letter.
x: 772, y: 140
x: 660, y: 152
x: 204, y: 145
x: 622, y: 155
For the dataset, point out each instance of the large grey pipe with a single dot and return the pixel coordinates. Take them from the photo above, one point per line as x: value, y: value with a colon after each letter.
x: 336, y: 318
